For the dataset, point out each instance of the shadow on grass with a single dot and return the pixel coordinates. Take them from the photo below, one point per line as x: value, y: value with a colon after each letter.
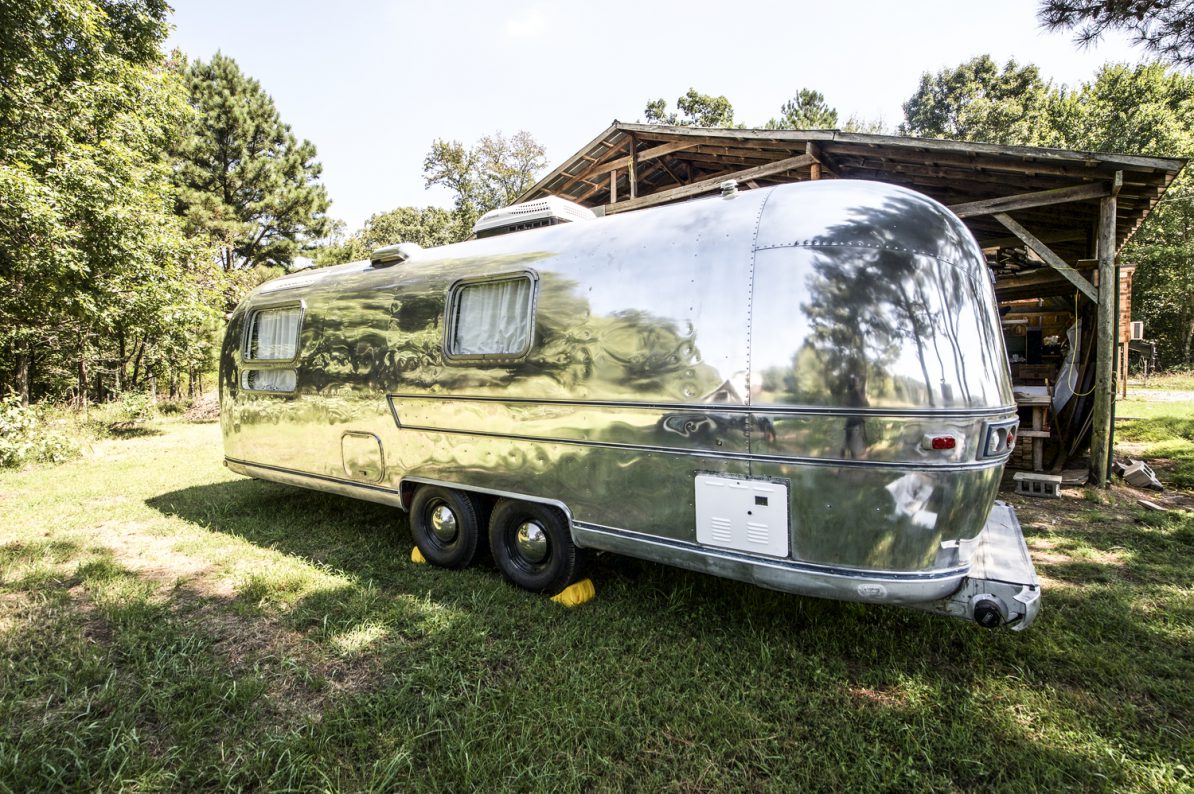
x: 675, y: 678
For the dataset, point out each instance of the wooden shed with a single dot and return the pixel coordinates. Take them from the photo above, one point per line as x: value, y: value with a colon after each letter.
x: 1050, y: 221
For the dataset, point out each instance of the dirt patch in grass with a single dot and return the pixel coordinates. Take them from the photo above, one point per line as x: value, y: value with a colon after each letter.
x: 204, y: 409
x: 302, y: 675
x: 881, y: 698
x: 153, y: 557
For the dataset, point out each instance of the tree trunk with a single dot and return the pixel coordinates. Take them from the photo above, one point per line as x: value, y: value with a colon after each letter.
x: 83, y: 385
x: 121, y: 360
x: 1190, y: 344
x: 137, y: 363
x: 22, y: 377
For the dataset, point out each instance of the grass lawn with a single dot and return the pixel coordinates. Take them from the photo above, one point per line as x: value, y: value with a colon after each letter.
x: 167, y: 625
x: 1161, y: 431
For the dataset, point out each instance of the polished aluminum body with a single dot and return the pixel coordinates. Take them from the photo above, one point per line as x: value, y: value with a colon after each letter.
x: 817, y: 333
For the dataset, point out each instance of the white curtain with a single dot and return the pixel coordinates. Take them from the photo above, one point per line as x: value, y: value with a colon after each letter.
x: 274, y: 334
x: 492, y: 318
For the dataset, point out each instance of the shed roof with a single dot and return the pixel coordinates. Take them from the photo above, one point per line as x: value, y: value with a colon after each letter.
x: 1053, y: 193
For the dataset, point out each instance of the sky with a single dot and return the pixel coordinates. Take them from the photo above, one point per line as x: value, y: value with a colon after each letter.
x: 373, y: 83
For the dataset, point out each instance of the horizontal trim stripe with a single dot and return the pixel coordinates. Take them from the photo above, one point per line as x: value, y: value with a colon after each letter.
x: 726, y: 408
x: 745, y: 457
x: 312, y: 476
x: 774, y: 562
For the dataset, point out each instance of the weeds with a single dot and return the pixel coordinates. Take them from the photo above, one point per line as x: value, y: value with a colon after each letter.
x: 29, y: 434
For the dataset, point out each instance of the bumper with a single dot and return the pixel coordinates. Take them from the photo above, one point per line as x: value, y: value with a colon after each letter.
x: 1001, y: 588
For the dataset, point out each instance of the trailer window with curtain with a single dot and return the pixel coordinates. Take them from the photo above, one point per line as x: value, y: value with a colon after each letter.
x: 491, y: 319
x: 272, y: 337
x: 273, y: 334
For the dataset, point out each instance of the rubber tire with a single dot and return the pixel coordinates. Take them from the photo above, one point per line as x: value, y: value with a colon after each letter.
x: 564, y: 561
x: 462, y: 551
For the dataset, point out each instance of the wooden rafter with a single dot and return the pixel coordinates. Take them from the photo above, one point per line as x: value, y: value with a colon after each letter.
x: 1040, y: 198
x: 705, y: 185
x: 955, y: 173
x: 605, y: 165
x: 1053, y: 260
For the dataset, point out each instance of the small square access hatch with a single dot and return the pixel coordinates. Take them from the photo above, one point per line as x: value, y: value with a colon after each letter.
x: 742, y: 514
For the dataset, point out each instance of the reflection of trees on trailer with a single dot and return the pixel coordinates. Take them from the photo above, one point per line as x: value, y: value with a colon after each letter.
x: 802, y: 387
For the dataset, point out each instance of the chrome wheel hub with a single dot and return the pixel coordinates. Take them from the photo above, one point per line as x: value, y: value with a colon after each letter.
x: 443, y: 523
x: 532, y: 542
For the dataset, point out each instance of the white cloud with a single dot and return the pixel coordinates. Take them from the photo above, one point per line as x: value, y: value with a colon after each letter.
x: 531, y: 24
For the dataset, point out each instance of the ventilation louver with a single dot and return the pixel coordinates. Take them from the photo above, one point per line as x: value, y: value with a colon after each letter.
x: 531, y: 215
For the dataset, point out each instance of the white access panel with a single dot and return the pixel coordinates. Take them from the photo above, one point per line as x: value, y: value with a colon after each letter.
x: 742, y: 514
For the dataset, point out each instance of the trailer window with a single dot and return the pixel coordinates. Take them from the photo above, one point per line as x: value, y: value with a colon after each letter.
x: 280, y: 380
x: 491, y: 319
x: 273, y: 334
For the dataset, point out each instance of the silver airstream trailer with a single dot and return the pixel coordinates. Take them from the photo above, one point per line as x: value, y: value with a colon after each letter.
x: 803, y: 387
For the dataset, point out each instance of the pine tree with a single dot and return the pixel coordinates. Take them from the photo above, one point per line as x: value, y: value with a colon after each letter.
x: 244, y: 180
x: 805, y: 111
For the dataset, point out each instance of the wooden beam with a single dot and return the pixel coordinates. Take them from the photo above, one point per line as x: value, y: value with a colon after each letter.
x: 562, y: 167
x: 1042, y: 282
x: 705, y: 185
x: 663, y: 164
x: 613, y: 187
x: 602, y: 168
x: 1051, y: 259
x: 987, y: 241
x: 632, y: 166
x: 855, y: 158
x: 825, y: 162
x: 667, y: 148
x: 1101, y: 438
x: 666, y: 132
x: 1028, y: 155
x: 1040, y: 198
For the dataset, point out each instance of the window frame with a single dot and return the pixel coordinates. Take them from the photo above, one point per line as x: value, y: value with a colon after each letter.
x: 251, y: 315
x: 452, y: 307
x: 248, y: 365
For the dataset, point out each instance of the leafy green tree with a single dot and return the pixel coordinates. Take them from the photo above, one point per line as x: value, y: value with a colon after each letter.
x: 1146, y: 109
x: 1163, y: 286
x: 805, y: 111
x: 245, y: 182
x: 692, y: 110
x: 867, y: 126
x: 1165, y: 27
x: 491, y: 174
x: 428, y: 227
x: 91, y: 255
x: 978, y: 101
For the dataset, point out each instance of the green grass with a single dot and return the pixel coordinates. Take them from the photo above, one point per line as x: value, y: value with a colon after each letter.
x: 1164, y: 431
x: 1170, y: 381
x: 166, y: 625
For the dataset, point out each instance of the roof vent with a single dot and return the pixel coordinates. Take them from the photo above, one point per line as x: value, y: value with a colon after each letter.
x: 393, y: 254
x: 531, y: 215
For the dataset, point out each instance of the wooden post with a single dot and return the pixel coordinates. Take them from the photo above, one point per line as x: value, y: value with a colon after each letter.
x: 613, y: 187
x: 1104, y: 396
x: 632, y: 167
x: 814, y: 171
